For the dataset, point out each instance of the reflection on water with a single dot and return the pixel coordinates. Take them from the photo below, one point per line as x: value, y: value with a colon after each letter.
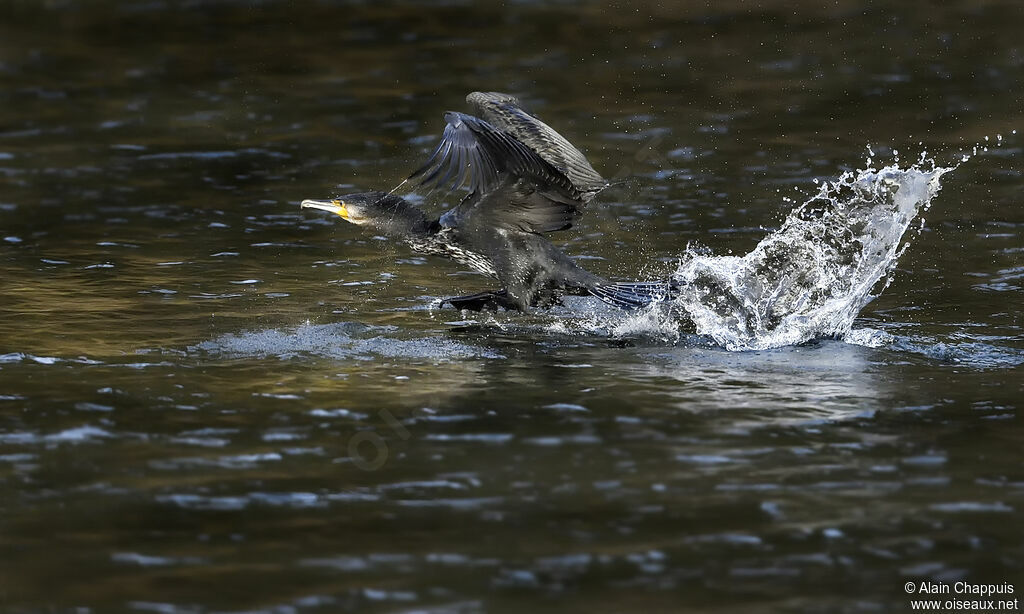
x: 210, y: 401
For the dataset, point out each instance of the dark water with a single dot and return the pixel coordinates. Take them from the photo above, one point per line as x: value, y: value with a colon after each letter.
x: 211, y: 401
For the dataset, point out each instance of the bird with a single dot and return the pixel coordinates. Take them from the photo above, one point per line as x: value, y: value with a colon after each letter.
x: 524, y: 180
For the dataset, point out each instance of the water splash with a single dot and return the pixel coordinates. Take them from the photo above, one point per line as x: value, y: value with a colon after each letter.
x: 340, y: 341
x: 810, y: 278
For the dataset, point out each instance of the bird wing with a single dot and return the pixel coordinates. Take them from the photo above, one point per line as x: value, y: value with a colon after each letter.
x: 516, y: 204
x: 477, y: 155
x: 504, y: 112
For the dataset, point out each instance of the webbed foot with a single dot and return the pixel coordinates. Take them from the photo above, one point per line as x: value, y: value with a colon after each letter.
x: 483, y: 301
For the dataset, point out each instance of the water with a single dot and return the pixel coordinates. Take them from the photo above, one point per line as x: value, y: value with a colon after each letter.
x: 211, y: 401
x: 814, y: 275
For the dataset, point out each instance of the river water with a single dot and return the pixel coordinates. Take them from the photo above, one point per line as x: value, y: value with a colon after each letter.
x: 213, y: 401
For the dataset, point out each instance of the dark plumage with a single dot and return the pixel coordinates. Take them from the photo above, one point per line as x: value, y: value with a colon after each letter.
x: 524, y: 180
x: 504, y: 113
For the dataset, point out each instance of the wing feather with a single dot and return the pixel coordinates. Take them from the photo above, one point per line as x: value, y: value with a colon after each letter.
x: 516, y: 204
x: 505, y: 112
x: 477, y: 155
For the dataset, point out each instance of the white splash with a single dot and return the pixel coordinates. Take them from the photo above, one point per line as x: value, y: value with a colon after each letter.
x: 809, y: 279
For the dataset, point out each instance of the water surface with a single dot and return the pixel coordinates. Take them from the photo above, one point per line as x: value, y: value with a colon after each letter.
x: 211, y: 401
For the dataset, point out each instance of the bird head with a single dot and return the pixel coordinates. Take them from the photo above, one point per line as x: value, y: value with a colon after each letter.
x: 382, y: 212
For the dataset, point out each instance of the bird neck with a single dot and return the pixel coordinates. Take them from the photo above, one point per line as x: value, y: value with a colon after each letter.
x: 419, y: 229
x: 406, y: 221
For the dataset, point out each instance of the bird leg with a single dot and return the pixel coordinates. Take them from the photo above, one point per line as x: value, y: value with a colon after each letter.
x: 483, y: 301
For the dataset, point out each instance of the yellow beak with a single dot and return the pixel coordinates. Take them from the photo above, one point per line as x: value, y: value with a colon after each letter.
x: 333, y: 206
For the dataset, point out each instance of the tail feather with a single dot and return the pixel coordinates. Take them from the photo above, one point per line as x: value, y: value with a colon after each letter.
x: 633, y: 295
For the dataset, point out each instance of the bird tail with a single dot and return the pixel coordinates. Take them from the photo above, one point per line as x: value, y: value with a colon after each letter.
x: 634, y: 295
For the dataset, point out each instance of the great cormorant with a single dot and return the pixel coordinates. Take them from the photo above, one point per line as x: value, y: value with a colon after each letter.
x: 524, y: 180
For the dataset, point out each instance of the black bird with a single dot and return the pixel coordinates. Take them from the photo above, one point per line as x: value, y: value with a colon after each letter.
x: 524, y: 180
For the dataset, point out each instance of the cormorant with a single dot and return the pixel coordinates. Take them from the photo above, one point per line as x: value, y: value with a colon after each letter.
x: 524, y: 180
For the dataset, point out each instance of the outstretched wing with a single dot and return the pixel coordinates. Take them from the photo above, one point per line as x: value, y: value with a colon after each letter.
x: 504, y: 112
x: 477, y: 155
x: 516, y: 204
